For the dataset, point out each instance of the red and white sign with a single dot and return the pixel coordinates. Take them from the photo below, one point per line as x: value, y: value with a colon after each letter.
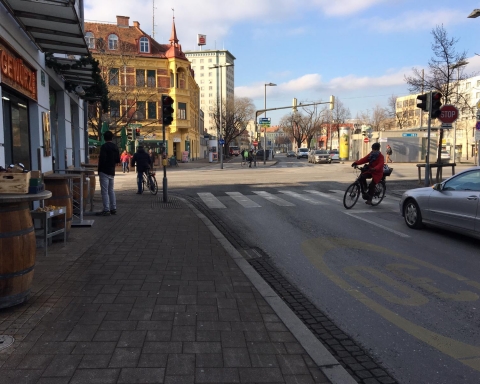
x: 366, y: 140
x: 255, y: 143
x: 449, y: 114
x: 201, y: 39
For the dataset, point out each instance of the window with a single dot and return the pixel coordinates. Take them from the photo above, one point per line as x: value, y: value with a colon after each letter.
x: 113, y: 42
x: 467, y: 85
x: 193, y: 60
x: 202, y: 67
x: 209, y: 74
x: 152, y: 110
x: 113, y: 76
x: 468, y: 181
x: 151, y: 78
x: 172, y: 80
x: 182, y: 111
x: 209, y: 60
x: 114, y: 108
x: 478, y: 95
x: 90, y: 40
x: 144, y: 45
x: 478, y: 83
x: 411, y: 102
x: 210, y: 88
x: 140, y: 112
x: 202, y: 95
x: 210, y: 95
x: 140, y: 77
x: 201, y: 74
x: 201, y: 60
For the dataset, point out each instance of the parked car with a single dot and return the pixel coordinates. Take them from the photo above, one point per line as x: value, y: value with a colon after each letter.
x: 319, y: 156
x: 445, y: 156
x: 452, y: 204
x: 302, y: 152
x: 291, y: 154
x: 334, y: 156
x: 260, y: 154
x: 234, y: 151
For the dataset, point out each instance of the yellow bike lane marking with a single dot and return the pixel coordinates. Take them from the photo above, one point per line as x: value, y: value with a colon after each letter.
x: 316, y: 249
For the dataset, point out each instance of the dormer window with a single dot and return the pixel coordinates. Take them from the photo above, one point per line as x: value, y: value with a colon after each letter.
x: 90, y: 40
x: 113, y: 42
x: 144, y: 48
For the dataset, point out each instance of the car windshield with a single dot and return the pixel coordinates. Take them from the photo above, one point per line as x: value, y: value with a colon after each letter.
x: 303, y: 150
x: 321, y: 152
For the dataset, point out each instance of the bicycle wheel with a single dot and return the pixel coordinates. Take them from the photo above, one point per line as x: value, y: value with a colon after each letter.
x: 152, y: 185
x: 351, y: 195
x: 379, y: 193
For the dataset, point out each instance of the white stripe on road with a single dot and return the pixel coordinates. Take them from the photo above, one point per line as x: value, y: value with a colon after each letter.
x: 376, y: 224
x: 243, y: 200
x: 210, y: 200
x: 326, y: 195
x: 274, y: 199
x: 306, y: 198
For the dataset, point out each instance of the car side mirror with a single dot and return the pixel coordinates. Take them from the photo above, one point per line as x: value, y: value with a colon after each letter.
x: 438, y: 187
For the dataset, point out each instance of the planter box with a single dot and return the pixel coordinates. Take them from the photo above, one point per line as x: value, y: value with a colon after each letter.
x: 14, y: 182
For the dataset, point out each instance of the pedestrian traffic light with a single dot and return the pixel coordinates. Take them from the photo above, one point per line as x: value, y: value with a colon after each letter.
x: 137, y: 132
x: 436, y: 105
x: 167, y: 109
x: 130, y: 134
x: 423, y: 104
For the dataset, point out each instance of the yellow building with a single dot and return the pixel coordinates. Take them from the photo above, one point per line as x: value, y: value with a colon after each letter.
x: 138, y: 71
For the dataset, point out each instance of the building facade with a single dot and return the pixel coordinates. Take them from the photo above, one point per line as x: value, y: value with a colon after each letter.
x: 42, y: 124
x: 214, y: 83
x: 138, y: 71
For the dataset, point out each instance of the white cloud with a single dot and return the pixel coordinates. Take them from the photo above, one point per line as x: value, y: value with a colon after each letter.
x: 345, y: 7
x: 427, y: 19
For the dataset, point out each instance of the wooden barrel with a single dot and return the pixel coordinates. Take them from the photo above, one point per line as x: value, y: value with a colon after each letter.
x: 61, y: 196
x: 17, y: 253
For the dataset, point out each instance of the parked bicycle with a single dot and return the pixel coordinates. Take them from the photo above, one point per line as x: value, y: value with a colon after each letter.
x: 150, y: 182
x: 356, y: 189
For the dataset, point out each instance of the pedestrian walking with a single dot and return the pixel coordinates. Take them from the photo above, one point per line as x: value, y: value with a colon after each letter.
x: 142, y: 160
x: 125, y: 159
x: 153, y: 156
x: 389, y: 153
x: 109, y: 157
x: 254, y: 155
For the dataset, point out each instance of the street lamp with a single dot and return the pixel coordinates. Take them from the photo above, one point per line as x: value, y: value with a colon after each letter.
x: 220, y: 66
x: 265, y: 129
x: 457, y: 66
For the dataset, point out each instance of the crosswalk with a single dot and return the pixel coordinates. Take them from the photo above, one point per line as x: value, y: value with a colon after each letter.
x: 282, y: 198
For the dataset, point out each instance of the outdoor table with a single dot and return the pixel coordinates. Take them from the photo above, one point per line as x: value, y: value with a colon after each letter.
x: 18, y: 246
x: 439, y: 167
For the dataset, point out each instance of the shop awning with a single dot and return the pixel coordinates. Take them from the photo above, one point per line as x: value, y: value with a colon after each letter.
x: 53, y: 25
x: 79, y: 76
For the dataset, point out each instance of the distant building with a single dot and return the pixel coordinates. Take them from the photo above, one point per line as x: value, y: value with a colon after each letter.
x: 209, y: 80
x: 138, y: 71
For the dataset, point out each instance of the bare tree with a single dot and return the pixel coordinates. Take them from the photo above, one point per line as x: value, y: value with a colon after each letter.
x: 376, y: 118
x: 399, y: 117
x: 236, y: 113
x: 445, y: 71
x: 337, y: 117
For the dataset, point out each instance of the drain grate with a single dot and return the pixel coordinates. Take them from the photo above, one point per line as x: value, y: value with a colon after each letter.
x: 172, y: 203
x: 6, y: 341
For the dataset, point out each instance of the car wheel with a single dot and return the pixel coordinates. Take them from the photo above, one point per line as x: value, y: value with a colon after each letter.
x: 412, y: 214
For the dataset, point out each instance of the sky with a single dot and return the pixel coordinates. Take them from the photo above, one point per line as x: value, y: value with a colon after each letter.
x: 357, y: 50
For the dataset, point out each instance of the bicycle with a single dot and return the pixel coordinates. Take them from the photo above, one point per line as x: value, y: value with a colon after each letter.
x: 356, y: 189
x: 150, y: 182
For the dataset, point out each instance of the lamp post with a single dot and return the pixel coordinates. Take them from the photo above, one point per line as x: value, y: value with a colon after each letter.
x: 474, y: 14
x: 220, y: 66
x: 265, y: 129
x: 457, y: 66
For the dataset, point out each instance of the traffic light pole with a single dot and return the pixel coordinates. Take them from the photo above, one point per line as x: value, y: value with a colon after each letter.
x: 427, y: 158
x: 164, y: 162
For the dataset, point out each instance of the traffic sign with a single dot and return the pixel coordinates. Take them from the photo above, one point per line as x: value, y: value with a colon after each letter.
x: 366, y: 140
x: 448, y: 114
x: 221, y: 141
x: 255, y: 143
x: 264, y: 121
x: 409, y: 134
x: 446, y: 126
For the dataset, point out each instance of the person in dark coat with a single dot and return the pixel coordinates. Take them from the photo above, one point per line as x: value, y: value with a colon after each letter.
x: 143, y: 162
x: 375, y: 162
x: 109, y: 157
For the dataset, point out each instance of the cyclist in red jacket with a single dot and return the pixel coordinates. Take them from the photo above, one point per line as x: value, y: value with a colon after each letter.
x: 375, y: 162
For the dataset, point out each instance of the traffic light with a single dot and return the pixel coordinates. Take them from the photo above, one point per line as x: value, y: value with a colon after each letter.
x: 167, y: 109
x: 130, y: 134
x: 423, y: 105
x: 332, y: 102
x: 137, y: 132
x: 436, y: 105
x: 294, y: 105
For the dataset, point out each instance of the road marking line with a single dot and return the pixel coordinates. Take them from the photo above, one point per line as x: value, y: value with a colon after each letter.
x: 210, y: 200
x: 302, y: 197
x: 326, y: 195
x: 243, y: 200
x: 274, y: 199
x: 376, y: 224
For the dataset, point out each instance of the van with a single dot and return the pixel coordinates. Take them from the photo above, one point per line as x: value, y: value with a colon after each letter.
x: 234, y: 150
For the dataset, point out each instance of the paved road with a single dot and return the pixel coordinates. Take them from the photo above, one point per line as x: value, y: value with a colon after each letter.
x: 409, y: 297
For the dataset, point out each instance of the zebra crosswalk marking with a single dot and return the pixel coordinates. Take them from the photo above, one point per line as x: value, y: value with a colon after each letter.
x: 384, y: 201
x: 326, y: 195
x: 306, y: 198
x: 274, y: 199
x: 243, y: 200
x: 210, y: 200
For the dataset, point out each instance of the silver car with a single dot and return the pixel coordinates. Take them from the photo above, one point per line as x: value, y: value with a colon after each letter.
x: 319, y: 156
x: 452, y: 204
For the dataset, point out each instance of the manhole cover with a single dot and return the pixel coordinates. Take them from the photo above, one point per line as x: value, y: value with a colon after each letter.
x: 6, y: 341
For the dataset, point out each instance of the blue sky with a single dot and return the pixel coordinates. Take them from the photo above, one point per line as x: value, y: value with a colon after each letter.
x: 357, y: 50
